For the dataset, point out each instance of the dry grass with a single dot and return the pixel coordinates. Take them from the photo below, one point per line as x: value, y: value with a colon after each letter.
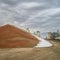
x: 52, y: 53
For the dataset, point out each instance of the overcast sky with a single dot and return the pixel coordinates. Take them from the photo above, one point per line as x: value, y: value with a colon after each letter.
x: 43, y: 15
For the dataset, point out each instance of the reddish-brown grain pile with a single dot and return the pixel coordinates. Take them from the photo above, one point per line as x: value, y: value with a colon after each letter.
x: 11, y: 37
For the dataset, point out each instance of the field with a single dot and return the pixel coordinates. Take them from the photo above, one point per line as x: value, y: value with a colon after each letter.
x: 51, y: 53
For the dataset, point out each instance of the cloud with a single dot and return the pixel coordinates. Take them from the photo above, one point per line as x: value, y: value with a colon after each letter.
x: 10, y: 2
x: 30, y: 4
x: 43, y: 15
x: 44, y: 20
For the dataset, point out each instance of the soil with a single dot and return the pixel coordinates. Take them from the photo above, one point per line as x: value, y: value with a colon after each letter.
x: 13, y: 37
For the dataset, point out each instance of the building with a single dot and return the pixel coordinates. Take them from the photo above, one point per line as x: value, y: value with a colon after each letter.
x: 37, y: 33
x: 53, y: 35
x: 57, y: 38
x: 49, y: 35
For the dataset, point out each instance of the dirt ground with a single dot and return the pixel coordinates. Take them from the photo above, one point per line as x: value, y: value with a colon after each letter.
x: 51, y: 53
x: 14, y: 37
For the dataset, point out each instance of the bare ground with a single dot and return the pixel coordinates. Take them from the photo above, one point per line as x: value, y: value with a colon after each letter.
x: 52, y: 53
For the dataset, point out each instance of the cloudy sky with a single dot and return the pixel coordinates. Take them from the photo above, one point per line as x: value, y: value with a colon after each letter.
x: 43, y: 15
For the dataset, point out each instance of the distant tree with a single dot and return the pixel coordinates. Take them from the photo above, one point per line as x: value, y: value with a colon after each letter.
x: 28, y: 30
x: 38, y: 33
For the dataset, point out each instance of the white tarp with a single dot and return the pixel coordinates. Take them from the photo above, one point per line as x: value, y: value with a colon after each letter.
x: 43, y: 43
